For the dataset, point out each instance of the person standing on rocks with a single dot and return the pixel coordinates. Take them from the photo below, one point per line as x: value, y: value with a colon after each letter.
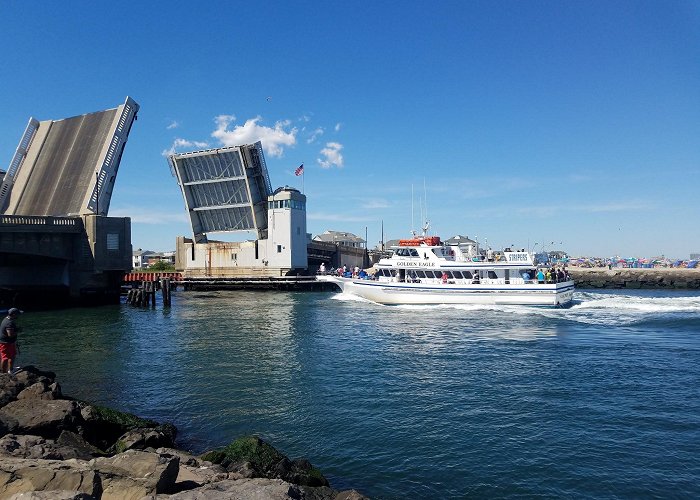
x: 8, y: 340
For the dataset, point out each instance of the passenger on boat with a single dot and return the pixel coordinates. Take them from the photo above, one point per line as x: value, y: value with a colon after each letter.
x: 475, y: 277
x: 548, y: 276
x: 322, y: 268
x: 561, y: 276
x: 526, y: 276
x: 540, y: 277
x: 444, y: 278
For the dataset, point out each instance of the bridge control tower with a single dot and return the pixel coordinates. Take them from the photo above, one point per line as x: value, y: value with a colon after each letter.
x: 228, y: 190
x: 56, y: 242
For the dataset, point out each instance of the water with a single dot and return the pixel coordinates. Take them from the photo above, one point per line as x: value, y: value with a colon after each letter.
x: 599, y: 400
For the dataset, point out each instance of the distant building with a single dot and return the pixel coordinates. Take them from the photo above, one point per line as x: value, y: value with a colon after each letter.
x: 391, y: 243
x: 695, y: 256
x: 341, y: 238
x: 144, y: 258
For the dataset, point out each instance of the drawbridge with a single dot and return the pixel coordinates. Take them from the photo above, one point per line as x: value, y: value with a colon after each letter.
x: 56, y: 241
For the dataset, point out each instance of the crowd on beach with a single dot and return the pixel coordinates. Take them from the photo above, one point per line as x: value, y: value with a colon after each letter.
x: 631, y: 263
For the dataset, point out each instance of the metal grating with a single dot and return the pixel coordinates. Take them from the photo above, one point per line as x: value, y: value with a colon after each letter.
x: 225, y: 190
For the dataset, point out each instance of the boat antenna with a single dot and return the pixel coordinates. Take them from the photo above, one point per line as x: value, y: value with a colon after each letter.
x: 426, y: 225
x: 413, y: 231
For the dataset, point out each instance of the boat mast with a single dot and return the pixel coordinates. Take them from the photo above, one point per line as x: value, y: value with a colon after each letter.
x: 426, y: 224
x: 413, y: 225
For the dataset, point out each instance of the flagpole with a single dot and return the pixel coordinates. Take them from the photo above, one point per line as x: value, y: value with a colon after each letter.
x: 303, y: 173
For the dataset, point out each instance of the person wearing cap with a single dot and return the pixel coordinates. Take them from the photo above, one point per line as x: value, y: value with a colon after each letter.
x: 8, y: 340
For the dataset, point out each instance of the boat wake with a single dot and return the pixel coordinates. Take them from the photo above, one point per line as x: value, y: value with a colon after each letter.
x: 629, y: 309
x: 605, y: 309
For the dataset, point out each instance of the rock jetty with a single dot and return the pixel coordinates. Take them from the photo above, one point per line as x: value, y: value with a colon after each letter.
x: 53, y: 446
x: 655, y: 278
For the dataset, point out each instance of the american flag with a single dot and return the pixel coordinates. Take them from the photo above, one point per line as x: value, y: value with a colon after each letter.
x: 299, y: 170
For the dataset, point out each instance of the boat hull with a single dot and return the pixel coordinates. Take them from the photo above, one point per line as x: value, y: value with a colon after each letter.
x: 391, y: 293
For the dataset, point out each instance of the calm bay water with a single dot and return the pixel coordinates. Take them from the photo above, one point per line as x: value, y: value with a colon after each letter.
x: 599, y: 400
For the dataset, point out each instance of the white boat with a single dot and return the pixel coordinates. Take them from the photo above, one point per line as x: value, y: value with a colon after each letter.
x: 423, y: 270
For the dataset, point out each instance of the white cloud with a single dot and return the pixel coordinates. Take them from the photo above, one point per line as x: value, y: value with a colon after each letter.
x: 331, y: 155
x: 173, y: 124
x: 273, y: 139
x: 182, y: 144
x: 375, y: 204
x: 314, y: 135
x: 337, y: 126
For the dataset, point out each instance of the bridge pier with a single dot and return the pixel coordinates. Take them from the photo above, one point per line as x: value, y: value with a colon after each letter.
x: 48, y: 262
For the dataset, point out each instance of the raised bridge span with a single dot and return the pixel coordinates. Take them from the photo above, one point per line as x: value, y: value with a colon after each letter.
x: 57, y: 244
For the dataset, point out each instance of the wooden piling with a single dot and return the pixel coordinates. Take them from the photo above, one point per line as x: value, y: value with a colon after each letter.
x: 165, y: 290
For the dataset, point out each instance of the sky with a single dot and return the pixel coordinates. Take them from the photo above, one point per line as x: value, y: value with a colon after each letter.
x: 546, y: 125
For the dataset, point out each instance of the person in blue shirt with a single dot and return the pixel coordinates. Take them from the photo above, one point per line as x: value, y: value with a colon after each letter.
x: 540, y: 276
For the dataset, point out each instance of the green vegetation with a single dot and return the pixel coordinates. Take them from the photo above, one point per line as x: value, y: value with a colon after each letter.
x: 246, y: 449
x: 120, y: 446
x: 161, y: 265
x: 125, y: 420
x: 266, y: 461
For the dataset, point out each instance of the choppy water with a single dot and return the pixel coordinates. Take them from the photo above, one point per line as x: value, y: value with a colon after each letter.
x: 599, y: 400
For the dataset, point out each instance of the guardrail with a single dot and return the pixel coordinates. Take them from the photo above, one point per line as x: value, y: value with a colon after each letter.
x: 41, y: 223
x: 40, y: 220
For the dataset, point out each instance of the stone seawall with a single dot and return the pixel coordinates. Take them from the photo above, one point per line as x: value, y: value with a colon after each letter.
x: 660, y: 278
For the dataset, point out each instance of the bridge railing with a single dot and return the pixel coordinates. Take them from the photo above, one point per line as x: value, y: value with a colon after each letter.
x: 72, y: 224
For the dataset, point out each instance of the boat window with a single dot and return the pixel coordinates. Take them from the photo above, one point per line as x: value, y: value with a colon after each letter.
x: 492, y: 275
x: 421, y: 274
x: 429, y: 274
x: 467, y: 275
x: 386, y: 272
x: 457, y: 274
x: 414, y: 252
x: 449, y: 274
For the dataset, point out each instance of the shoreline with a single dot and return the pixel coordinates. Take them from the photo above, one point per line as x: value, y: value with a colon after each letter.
x: 55, y: 446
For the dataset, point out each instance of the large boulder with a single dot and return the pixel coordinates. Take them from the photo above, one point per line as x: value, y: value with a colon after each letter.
x: 261, y: 489
x: 43, y: 389
x: 46, y: 418
x: 135, y: 474
x: 250, y: 456
x: 27, y: 446
x: 103, y: 427
x: 21, y: 475
x: 142, y: 438
x: 130, y: 475
x: 12, y: 385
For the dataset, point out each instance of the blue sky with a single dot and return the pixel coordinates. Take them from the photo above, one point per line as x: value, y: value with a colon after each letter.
x: 573, y: 125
